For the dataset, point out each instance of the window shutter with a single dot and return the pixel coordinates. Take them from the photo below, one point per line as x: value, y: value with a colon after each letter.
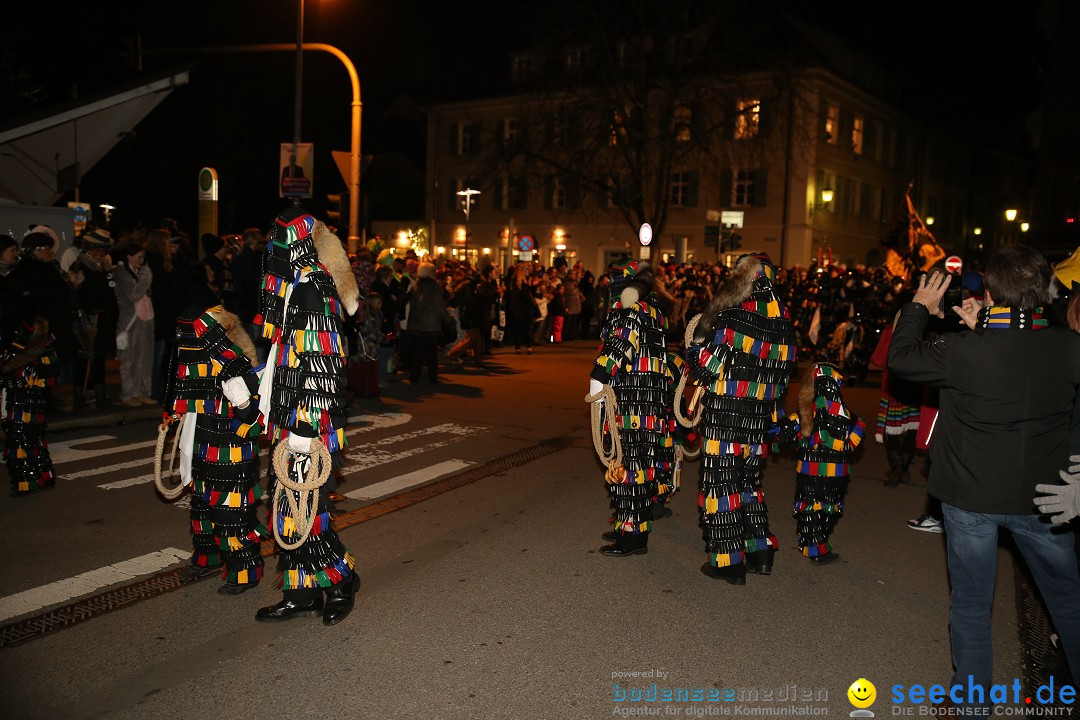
x: 474, y: 136
x: 549, y: 190
x: 453, y: 194
x: 500, y: 133
x: 761, y: 189
x: 573, y: 194
x: 766, y: 116
x: 692, y: 188
x: 727, y: 177
x: 454, y: 146
x: 500, y: 187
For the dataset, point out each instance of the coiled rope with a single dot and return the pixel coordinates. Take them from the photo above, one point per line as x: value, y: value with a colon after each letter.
x: 159, y: 480
x: 691, y: 421
x: 603, y: 412
x: 302, y: 509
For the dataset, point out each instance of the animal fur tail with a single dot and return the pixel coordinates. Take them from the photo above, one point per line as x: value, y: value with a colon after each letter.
x: 332, y: 256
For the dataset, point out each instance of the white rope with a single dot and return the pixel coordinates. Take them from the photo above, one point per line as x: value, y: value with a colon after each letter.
x: 303, y: 510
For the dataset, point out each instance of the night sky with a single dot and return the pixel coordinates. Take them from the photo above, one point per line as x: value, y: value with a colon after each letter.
x: 982, y: 69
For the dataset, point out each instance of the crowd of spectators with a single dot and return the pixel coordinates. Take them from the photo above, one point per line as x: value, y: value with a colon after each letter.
x: 133, y: 286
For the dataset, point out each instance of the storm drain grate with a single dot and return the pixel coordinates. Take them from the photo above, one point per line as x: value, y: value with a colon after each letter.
x: 1040, y: 659
x: 67, y: 616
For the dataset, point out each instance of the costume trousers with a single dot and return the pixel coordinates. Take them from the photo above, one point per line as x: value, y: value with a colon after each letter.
x: 819, y: 503
x: 631, y: 500
x: 26, y: 453
x: 735, y: 519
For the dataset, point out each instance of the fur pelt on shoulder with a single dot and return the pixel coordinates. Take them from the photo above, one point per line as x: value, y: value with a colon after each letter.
x: 34, y: 347
x: 806, y: 402
x: 336, y: 261
x: 235, y: 331
x: 735, y: 290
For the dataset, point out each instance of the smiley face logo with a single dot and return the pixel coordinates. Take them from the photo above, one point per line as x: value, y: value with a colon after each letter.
x: 862, y: 693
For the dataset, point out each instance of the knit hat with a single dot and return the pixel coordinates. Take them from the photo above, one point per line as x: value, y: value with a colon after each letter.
x: 35, y: 240
x: 1068, y: 270
x: 98, y: 238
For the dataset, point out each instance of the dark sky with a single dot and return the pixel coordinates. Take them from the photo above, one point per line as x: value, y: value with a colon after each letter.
x: 982, y: 65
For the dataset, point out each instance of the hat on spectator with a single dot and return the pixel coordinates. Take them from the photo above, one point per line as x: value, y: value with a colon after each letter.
x: 54, y: 240
x: 1068, y: 270
x: 97, y: 239
x: 35, y: 240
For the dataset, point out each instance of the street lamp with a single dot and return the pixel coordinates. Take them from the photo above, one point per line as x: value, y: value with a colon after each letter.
x: 468, y: 194
x: 108, y: 210
x: 1024, y: 227
x: 1010, y: 214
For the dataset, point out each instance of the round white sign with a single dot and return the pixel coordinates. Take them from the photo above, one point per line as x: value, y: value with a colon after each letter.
x: 953, y: 264
x: 645, y: 233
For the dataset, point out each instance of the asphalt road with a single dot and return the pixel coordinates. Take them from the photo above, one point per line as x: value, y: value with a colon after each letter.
x: 486, y: 600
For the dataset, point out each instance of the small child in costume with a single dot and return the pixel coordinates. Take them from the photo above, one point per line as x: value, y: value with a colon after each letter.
x: 825, y: 434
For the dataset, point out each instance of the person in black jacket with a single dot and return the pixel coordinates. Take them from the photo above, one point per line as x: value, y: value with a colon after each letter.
x: 1007, y: 392
x: 98, y: 312
x: 427, y: 316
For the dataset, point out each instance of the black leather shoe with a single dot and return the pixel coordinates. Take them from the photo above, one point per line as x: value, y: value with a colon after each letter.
x: 236, y: 589
x: 760, y: 561
x: 339, y: 601
x: 614, y: 550
x: 732, y: 574
x: 610, y: 536
x: 825, y: 559
x: 289, y: 609
x: 194, y: 572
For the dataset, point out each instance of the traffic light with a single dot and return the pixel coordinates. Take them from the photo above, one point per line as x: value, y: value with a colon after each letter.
x: 712, y: 235
x: 337, y: 209
x: 731, y: 241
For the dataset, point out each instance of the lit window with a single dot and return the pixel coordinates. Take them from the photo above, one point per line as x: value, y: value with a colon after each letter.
x: 747, y: 118
x: 680, y: 189
x: 681, y: 123
x: 832, y: 122
x: 857, y: 134
x: 743, y: 188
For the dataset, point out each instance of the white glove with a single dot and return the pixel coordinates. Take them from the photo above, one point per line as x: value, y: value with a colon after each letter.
x: 595, y: 386
x: 237, y: 391
x: 299, y: 443
x: 1062, y: 502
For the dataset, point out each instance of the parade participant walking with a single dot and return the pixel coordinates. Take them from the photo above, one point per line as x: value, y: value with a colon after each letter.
x: 631, y: 387
x: 827, y: 435
x: 28, y: 366
x: 213, y: 387
x: 307, y: 287
x: 742, y: 353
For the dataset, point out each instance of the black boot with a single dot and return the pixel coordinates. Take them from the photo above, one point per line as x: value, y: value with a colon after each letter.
x: 895, y: 460
x: 339, y: 600
x: 627, y: 544
x: 761, y: 561
x: 287, y: 609
x: 731, y: 574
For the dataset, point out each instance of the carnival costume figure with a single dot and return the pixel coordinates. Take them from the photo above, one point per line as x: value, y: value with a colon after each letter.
x: 213, y: 388
x: 825, y: 434
x: 307, y: 286
x: 28, y: 366
x: 631, y: 387
x: 742, y: 353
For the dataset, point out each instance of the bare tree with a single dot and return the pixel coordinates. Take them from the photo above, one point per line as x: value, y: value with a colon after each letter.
x: 620, y: 103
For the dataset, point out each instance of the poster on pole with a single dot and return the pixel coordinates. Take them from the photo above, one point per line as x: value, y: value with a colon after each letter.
x: 296, y: 182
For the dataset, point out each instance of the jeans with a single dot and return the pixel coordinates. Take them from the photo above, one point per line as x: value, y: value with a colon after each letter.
x: 972, y: 544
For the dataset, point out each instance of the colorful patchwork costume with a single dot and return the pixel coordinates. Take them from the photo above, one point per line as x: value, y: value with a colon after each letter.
x: 307, y: 284
x: 634, y: 362
x: 742, y: 353
x: 219, y: 441
x: 28, y: 366
x: 826, y: 435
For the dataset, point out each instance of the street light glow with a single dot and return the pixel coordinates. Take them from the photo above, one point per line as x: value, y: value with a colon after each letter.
x: 1024, y: 227
x: 1010, y: 214
x: 978, y: 231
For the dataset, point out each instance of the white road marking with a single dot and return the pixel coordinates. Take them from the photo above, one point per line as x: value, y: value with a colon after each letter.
x: 67, y: 450
x: 37, y: 598
x: 372, y: 455
x: 417, y: 477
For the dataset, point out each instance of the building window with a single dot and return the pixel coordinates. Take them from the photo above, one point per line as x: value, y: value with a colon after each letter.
x: 747, y: 118
x: 522, y: 67
x: 463, y: 139
x: 680, y: 189
x: 572, y: 59
x: 613, y: 183
x: 681, y: 123
x: 832, y: 123
x: 745, y: 192
x: 619, y: 119
x: 851, y: 197
x: 457, y: 202
x: 510, y: 193
x: 511, y: 132
x: 557, y: 199
x: 857, y: 134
